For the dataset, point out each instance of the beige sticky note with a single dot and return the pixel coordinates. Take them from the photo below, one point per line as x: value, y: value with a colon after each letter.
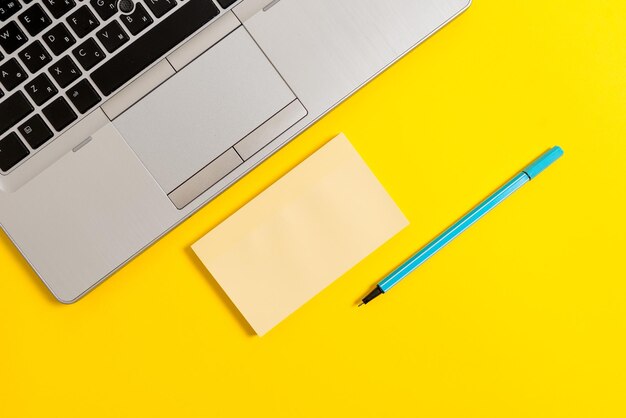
x: 299, y: 235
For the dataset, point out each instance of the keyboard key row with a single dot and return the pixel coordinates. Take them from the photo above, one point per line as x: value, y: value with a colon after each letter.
x: 63, y: 71
x: 58, y: 39
x: 35, y: 19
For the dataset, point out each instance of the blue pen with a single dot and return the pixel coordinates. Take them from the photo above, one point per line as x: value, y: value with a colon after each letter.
x: 465, y: 222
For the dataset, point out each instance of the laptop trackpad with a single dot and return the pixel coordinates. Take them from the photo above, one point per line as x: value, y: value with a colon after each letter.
x: 197, y: 116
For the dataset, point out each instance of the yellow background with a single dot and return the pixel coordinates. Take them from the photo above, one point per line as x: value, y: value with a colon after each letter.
x: 523, y: 316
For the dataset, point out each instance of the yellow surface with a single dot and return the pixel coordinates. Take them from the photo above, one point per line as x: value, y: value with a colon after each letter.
x: 523, y: 316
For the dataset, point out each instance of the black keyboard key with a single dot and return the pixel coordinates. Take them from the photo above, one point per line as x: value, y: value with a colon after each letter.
x: 138, y: 20
x: 88, y: 54
x: 64, y: 71
x: 12, y: 151
x: 82, y: 21
x: 226, y: 3
x: 12, y: 74
x: 59, y: 7
x: 35, y: 131
x: 11, y: 37
x: 1, y: 94
x: 12, y: 110
x: 104, y: 8
x: 35, y: 56
x: 112, y: 36
x: 59, y: 39
x: 155, y: 43
x: 8, y: 8
x: 160, y: 7
x: 35, y: 20
x: 59, y: 113
x: 83, y: 95
x: 40, y: 89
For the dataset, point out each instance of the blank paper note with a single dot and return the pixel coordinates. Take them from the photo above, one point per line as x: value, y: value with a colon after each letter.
x: 299, y: 235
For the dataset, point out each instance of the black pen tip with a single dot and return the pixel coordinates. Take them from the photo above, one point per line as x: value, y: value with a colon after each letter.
x: 373, y: 295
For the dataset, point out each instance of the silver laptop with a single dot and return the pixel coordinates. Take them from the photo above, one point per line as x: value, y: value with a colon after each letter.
x: 121, y: 118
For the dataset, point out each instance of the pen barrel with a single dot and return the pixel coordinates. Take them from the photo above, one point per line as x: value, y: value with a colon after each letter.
x: 453, y: 231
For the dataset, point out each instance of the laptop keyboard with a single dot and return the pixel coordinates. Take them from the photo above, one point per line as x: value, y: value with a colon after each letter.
x: 59, y: 59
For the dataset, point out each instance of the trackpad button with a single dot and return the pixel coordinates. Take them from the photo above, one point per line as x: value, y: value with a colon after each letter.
x: 202, y: 111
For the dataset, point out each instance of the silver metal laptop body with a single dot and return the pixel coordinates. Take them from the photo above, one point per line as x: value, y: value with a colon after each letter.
x: 118, y: 120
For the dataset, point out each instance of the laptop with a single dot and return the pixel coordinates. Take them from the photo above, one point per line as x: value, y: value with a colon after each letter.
x: 121, y: 118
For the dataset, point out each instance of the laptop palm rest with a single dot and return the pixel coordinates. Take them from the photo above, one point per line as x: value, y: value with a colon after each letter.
x: 205, y: 121
x: 94, y: 207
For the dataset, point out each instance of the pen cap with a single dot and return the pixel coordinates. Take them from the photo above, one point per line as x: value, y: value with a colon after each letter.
x: 543, y: 162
